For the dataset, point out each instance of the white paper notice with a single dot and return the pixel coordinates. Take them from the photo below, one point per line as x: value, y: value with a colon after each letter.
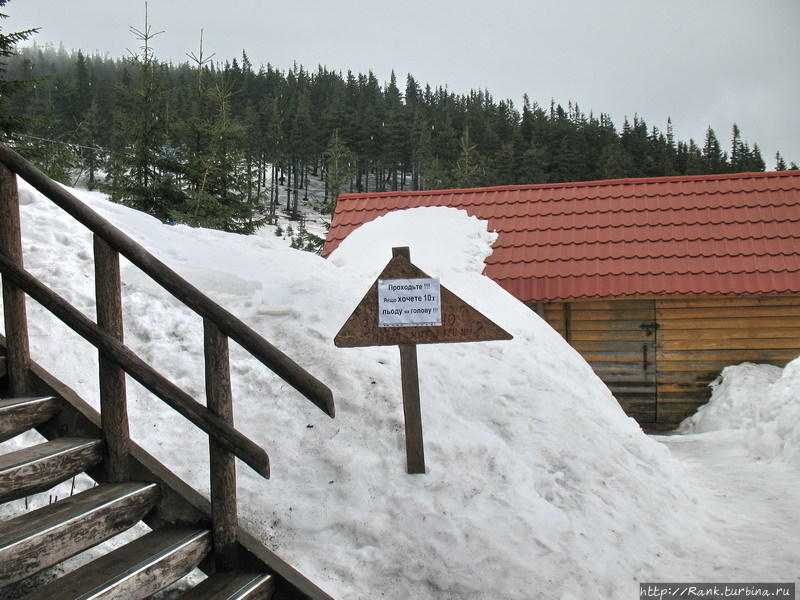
x: 409, y: 303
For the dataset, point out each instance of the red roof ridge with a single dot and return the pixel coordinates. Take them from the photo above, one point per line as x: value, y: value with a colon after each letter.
x: 575, y: 184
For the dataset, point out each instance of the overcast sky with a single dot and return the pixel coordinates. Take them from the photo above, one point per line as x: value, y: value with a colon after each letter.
x: 701, y: 62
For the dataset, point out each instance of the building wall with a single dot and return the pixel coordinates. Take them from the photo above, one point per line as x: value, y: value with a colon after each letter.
x: 658, y: 355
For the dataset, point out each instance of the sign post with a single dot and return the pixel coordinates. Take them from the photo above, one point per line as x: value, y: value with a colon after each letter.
x: 412, y: 413
x: 406, y: 307
x: 409, y: 367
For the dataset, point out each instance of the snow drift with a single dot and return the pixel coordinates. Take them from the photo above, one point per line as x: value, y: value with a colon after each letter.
x: 538, y: 484
x: 762, y: 400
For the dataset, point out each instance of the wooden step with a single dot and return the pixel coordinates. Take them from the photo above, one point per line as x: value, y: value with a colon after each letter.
x: 38, y: 468
x: 21, y: 414
x: 233, y: 586
x: 137, y: 570
x: 44, y: 537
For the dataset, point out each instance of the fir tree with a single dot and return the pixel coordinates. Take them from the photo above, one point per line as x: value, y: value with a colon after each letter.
x: 738, y: 151
x: 340, y: 166
x: 142, y: 170
x: 230, y: 178
x: 467, y: 169
x: 11, y: 123
x: 756, y: 162
x: 91, y: 157
x: 712, y: 153
x: 614, y: 162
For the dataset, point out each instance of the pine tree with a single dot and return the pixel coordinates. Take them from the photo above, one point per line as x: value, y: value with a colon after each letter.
x: 91, y: 156
x: 635, y: 142
x: 614, y: 162
x: 340, y: 166
x: 430, y: 171
x: 695, y: 163
x: 218, y: 178
x: 467, y: 169
x: 756, y: 162
x: 230, y: 178
x: 780, y: 164
x: 712, y: 153
x: 738, y: 151
x: 11, y: 123
x: 142, y: 169
x: 301, y: 139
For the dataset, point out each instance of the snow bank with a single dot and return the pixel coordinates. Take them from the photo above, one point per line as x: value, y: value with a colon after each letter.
x: 763, y: 400
x: 538, y: 484
x: 776, y: 434
x: 736, y: 397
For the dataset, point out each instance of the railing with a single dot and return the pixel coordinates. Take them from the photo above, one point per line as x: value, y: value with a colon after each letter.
x: 116, y: 359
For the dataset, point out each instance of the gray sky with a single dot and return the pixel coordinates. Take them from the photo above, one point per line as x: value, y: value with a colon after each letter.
x: 701, y: 62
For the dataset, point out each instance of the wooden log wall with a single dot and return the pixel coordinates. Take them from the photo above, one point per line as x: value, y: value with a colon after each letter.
x: 660, y: 373
x: 701, y: 336
x: 610, y: 335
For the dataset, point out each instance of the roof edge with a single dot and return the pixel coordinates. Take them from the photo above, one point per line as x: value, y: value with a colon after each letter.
x: 574, y: 184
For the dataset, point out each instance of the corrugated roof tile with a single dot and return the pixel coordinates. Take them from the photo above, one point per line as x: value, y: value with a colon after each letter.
x: 718, y: 234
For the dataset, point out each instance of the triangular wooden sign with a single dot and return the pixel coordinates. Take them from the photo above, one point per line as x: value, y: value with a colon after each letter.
x: 371, y: 323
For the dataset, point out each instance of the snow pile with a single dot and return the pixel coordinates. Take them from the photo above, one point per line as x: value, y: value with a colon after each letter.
x: 538, y: 485
x: 736, y: 397
x: 777, y: 432
x: 762, y: 400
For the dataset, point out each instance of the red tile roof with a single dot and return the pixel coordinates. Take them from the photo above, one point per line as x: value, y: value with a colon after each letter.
x: 716, y: 234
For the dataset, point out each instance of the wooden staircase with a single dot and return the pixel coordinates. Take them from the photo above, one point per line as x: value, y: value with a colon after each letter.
x: 184, y: 530
x: 39, y: 539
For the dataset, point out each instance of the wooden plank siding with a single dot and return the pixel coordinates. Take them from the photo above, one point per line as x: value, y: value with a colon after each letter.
x: 660, y: 375
x: 701, y: 336
x: 610, y: 336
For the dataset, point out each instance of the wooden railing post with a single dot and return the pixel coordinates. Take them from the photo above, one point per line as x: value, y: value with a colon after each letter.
x: 113, y: 398
x: 16, y: 320
x: 223, y: 466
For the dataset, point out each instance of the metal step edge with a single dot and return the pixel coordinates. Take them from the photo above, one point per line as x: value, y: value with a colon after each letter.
x: 7, y: 403
x: 38, y: 468
x: 45, y: 451
x: 191, y: 537
x: 74, y: 517
x: 260, y: 583
x: 21, y: 414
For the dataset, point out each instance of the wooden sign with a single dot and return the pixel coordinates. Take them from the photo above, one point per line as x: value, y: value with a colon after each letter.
x: 406, y: 307
x: 458, y: 321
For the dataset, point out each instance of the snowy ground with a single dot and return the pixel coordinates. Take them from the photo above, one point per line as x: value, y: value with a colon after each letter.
x: 754, y: 503
x: 538, y: 485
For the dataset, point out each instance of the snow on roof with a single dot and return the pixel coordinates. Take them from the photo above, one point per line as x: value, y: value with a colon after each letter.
x: 714, y: 234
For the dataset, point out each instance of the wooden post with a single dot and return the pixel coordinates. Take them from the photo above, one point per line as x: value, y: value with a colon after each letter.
x: 16, y: 321
x: 412, y: 413
x: 113, y: 397
x: 409, y: 375
x: 223, y: 465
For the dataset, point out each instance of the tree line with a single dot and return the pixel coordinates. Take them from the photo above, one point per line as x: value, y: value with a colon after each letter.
x: 206, y: 142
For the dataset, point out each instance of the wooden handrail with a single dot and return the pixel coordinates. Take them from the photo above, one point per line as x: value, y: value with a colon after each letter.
x: 228, y: 324
x: 116, y: 359
x: 151, y: 379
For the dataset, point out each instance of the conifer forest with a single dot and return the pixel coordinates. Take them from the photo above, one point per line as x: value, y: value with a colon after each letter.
x: 206, y: 142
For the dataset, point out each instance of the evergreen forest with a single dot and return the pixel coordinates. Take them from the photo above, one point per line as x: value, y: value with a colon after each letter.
x: 206, y: 142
